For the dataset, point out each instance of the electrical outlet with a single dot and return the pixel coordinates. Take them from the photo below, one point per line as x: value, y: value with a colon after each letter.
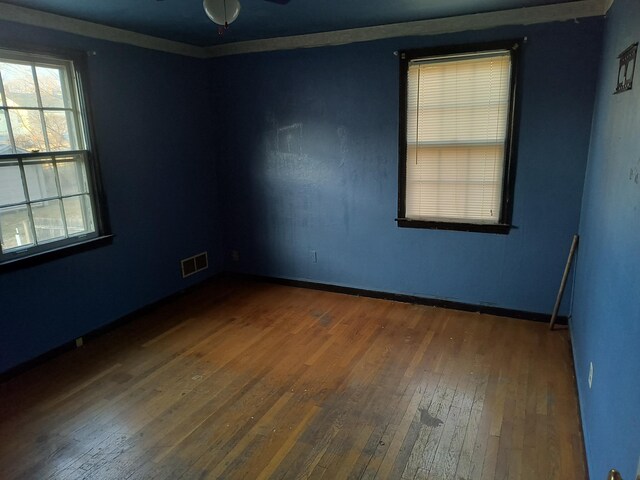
x: 235, y: 255
x: 79, y: 342
x: 590, y: 373
x: 314, y: 256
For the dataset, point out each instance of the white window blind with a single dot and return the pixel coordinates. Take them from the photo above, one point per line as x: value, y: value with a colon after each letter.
x: 457, y: 114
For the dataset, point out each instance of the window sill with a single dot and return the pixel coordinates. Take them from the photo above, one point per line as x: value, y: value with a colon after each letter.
x: 56, y: 253
x: 498, y: 228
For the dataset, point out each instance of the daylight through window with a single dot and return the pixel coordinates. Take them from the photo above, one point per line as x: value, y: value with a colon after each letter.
x: 458, y: 109
x: 45, y: 193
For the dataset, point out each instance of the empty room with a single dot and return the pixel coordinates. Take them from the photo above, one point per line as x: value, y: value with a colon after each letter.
x: 286, y: 239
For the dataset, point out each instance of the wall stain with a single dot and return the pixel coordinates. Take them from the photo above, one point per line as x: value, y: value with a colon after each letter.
x: 343, y: 139
x: 634, y: 173
x: 289, y: 138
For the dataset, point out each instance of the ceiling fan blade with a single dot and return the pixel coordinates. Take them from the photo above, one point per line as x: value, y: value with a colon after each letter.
x: 280, y: 2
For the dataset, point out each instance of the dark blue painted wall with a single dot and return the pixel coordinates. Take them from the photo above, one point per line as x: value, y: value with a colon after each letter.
x: 606, y: 321
x: 310, y: 164
x: 152, y: 116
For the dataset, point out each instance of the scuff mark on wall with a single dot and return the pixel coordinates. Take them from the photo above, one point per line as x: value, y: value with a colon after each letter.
x: 634, y: 173
x: 288, y: 139
x: 343, y: 139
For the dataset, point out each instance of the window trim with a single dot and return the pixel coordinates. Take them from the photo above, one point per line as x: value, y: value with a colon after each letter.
x: 503, y: 226
x: 102, y: 234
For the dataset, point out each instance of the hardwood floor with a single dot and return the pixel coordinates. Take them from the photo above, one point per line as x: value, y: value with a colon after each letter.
x: 255, y: 380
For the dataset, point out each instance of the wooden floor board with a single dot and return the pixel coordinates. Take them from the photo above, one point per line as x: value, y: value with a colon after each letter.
x: 242, y: 379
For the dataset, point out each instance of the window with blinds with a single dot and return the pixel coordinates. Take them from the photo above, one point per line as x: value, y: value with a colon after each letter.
x: 456, y: 137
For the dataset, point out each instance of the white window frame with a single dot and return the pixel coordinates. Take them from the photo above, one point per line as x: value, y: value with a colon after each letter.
x: 72, y: 63
x: 503, y: 222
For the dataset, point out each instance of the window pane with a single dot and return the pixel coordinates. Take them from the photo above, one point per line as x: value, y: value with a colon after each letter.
x: 79, y: 215
x: 73, y: 178
x: 51, y: 90
x: 15, y: 227
x: 41, y: 180
x: 47, y: 218
x: 19, y: 86
x: 457, y: 110
x: 11, y: 190
x: 5, y: 141
x: 27, y: 130
x: 45, y: 196
x: 57, y: 131
x: 454, y: 182
x: 461, y: 101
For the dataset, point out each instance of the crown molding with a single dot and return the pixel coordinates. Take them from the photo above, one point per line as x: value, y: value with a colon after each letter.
x: 37, y: 18
x: 479, y: 21
x: 607, y: 5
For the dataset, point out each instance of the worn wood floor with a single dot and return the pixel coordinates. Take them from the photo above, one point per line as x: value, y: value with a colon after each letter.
x: 255, y: 380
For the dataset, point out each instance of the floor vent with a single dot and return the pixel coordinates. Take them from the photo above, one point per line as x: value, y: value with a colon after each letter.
x: 194, y: 264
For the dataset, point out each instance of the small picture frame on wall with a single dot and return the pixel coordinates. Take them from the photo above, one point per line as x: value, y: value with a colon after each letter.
x: 626, y: 68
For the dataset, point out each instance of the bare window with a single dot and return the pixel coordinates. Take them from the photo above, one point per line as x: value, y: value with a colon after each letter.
x: 46, y: 188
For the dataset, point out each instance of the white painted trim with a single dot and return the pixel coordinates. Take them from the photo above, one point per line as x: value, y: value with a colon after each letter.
x: 28, y: 16
x: 479, y: 21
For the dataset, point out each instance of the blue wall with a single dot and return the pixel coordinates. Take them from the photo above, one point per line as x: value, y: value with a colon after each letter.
x: 606, y: 321
x: 311, y: 157
x: 152, y: 120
